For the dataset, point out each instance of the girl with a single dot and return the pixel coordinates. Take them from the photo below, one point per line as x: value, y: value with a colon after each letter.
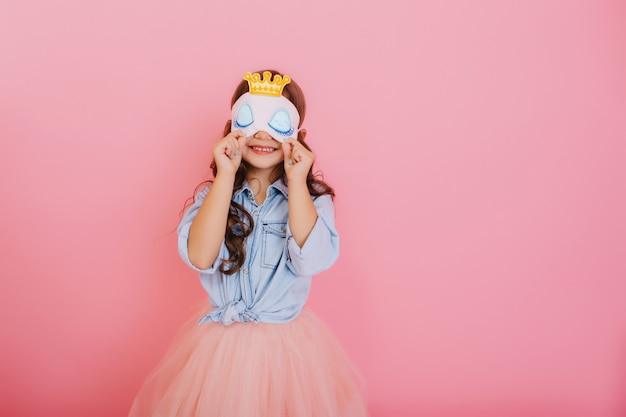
x: 256, y: 235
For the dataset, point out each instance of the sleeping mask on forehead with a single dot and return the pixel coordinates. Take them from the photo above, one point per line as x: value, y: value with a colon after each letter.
x: 264, y: 108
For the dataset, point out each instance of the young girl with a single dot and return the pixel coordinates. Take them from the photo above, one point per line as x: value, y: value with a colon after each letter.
x: 256, y: 235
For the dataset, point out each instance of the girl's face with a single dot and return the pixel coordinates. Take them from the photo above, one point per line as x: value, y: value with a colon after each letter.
x: 262, y: 152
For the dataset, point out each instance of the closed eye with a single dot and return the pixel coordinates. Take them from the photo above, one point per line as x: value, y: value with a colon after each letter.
x: 281, y: 123
x: 244, y: 117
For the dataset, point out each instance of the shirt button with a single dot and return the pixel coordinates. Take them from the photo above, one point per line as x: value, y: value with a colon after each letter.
x: 245, y: 271
x: 256, y: 212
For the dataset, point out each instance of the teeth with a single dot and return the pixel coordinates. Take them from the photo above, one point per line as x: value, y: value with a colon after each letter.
x: 260, y: 149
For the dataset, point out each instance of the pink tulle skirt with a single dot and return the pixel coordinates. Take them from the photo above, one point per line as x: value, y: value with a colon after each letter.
x: 295, y: 369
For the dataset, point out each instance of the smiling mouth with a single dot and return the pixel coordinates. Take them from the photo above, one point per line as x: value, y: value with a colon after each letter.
x: 262, y: 149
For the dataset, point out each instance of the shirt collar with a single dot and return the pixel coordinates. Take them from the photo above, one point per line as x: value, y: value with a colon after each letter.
x: 278, y: 185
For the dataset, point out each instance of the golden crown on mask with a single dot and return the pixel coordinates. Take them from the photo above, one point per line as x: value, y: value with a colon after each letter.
x: 266, y: 86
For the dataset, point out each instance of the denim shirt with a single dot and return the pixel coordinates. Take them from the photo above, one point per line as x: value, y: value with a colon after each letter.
x: 275, y: 278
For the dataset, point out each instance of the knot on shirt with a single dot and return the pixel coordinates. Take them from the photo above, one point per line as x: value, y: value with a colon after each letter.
x: 230, y: 313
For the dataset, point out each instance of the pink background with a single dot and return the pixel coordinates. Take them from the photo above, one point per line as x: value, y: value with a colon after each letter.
x: 477, y: 150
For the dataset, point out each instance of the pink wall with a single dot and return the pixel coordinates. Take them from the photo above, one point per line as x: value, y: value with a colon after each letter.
x: 477, y: 149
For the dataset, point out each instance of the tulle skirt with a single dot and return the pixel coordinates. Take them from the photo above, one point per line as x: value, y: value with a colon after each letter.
x: 294, y: 369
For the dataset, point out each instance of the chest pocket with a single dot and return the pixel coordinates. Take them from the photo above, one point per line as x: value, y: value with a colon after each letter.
x: 274, y: 235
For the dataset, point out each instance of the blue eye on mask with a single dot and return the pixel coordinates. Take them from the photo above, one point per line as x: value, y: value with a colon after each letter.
x: 281, y: 123
x: 244, y: 117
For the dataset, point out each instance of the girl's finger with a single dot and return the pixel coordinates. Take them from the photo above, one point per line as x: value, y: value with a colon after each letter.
x: 234, y: 149
x: 225, y: 146
x: 236, y: 134
x: 240, y: 141
x: 287, y: 151
x: 299, y: 152
x: 231, y: 142
x: 222, y: 147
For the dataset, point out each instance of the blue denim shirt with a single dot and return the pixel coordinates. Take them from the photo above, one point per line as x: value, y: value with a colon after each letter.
x: 274, y: 281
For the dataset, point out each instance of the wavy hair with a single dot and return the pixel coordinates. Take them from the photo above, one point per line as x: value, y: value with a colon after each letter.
x: 240, y: 223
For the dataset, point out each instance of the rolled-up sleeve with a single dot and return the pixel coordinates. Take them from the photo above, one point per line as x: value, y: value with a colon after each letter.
x: 321, y: 249
x: 183, y: 234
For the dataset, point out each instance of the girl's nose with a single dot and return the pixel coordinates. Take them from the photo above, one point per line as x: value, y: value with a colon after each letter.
x: 262, y: 135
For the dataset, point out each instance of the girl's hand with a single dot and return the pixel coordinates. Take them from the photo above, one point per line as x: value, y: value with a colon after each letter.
x: 298, y: 160
x: 227, y: 152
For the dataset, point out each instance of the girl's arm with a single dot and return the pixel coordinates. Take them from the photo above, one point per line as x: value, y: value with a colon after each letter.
x: 209, y: 226
x: 302, y: 212
x: 312, y: 241
x: 321, y: 249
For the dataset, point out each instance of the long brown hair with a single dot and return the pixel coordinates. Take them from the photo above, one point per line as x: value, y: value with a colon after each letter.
x: 240, y: 223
